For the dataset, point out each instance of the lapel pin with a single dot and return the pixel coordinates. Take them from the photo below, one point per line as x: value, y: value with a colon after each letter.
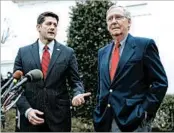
x: 58, y: 49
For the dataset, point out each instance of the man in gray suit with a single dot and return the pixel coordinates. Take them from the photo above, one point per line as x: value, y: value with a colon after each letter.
x: 45, y: 105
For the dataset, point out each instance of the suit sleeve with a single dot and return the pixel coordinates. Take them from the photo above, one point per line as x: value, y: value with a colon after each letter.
x: 155, y: 77
x: 22, y: 103
x: 73, y: 77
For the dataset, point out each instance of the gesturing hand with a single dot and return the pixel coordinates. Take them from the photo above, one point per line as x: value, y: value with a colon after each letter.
x: 79, y: 99
x: 33, y: 118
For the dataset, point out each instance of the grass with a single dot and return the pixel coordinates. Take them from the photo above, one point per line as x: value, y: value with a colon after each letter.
x: 10, y: 121
x: 78, y: 124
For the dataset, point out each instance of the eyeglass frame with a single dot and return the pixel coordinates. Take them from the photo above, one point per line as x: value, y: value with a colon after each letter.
x: 116, y: 18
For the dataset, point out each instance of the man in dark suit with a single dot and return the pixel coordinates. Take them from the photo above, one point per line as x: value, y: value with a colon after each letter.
x: 45, y: 105
x: 131, y: 79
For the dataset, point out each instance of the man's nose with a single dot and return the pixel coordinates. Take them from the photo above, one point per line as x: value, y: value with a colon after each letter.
x: 52, y: 26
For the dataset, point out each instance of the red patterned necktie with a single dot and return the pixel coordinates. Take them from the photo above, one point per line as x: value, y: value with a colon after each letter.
x: 45, y: 60
x: 114, y: 60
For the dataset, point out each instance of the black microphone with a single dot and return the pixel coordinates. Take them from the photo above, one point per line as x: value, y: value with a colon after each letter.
x: 32, y: 76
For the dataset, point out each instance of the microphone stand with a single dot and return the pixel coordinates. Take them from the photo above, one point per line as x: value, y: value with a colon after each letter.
x: 9, y: 102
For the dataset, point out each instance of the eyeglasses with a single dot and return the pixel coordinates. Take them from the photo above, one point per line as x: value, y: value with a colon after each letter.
x: 115, y: 17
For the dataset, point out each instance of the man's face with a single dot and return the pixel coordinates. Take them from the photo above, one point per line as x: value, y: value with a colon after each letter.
x: 48, y: 29
x: 117, y: 23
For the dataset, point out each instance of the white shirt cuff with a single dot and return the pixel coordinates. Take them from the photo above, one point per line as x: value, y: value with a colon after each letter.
x: 26, y: 112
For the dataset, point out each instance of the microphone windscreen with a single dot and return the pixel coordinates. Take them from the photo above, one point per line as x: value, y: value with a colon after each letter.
x: 34, y: 75
x: 18, y: 74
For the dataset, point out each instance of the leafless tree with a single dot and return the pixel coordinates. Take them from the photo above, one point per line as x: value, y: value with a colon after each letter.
x: 6, y: 31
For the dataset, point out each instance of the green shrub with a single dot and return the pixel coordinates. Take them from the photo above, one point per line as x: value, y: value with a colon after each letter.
x: 82, y: 125
x: 87, y: 33
x: 10, y: 121
x: 164, y: 119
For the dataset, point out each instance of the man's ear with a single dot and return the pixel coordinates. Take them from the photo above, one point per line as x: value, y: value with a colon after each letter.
x: 38, y: 27
x: 107, y: 26
x: 129, y: 23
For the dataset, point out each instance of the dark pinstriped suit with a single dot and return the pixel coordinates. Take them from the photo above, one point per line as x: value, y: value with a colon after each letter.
x: 49, y: 96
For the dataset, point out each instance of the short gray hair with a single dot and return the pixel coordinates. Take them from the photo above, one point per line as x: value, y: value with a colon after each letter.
x: 127, y: 14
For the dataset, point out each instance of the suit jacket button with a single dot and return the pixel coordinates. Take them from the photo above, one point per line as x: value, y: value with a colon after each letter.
x: 109, y: 105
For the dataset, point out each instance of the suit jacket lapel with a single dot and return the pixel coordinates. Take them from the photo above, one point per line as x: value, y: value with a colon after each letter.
x: 35, y: 53
x: 127, y: 53
x: 56, y: 52
x: 105, y: 60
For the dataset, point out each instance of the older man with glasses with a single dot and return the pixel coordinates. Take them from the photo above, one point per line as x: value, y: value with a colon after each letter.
x: 131, y: 79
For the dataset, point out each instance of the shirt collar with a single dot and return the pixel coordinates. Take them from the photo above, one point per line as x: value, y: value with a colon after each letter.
x: 50, y: 45
x: 123, y: 41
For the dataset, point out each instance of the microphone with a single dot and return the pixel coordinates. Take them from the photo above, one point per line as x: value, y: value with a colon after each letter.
x: 17, y: 75
x: 6, y: 84
x: 32, y: 76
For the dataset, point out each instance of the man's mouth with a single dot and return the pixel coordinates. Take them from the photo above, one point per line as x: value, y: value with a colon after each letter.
x: 52, y: 33
x: 115, y: 28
